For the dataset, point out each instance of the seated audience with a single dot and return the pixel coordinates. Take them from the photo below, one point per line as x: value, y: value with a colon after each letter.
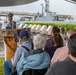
x: 67, y: 66
x: 35, y: 59
x: 63, y: 35
x: 24, y: 42
x: 56, y: 42
x: 55, y: 30
x: 61, y: 53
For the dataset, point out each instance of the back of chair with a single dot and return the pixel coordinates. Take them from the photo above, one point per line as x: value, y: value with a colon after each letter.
x: 35, y: 72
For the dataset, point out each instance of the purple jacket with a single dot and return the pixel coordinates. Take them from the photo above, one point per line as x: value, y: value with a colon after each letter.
x: 48, y: 44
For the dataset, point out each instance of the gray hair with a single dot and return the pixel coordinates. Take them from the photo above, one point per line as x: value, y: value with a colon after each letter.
x: 71, y: 32
x: 39, y: 41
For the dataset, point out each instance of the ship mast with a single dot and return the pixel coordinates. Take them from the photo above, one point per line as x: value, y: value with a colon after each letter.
x: 47, y: 6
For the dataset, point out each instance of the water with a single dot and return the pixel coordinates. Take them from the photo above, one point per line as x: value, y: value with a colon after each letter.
x: 19, y: 22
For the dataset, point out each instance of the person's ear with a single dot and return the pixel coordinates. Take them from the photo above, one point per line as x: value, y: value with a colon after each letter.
x: 20, y: 42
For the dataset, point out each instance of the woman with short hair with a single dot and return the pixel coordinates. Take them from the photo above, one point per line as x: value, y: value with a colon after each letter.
x: 34, y: 59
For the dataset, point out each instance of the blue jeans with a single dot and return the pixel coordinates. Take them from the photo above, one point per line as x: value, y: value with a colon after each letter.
x: 7, y: 67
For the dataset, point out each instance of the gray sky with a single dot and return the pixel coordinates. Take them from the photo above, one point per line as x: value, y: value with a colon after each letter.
x: 59, y: 6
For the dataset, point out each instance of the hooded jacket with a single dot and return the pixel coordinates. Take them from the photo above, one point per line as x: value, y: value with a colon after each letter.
x: 35, y: 59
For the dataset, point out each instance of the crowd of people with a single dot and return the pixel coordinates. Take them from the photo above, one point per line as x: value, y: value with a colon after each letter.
x: 56, y: 54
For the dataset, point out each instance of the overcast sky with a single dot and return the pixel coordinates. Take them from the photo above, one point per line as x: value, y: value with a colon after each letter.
x: 59, y: 6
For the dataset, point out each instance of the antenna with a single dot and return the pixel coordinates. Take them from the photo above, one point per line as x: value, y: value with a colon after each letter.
x: 42, y: 9
x: 46, y: 6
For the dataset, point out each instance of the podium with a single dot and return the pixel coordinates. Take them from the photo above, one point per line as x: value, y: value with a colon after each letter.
x: 9, y: 42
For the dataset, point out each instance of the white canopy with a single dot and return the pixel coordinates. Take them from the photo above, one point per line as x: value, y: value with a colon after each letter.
x: 15, y: 2
x: 72, y: 1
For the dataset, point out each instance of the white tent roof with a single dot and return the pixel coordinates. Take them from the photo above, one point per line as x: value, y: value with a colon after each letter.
x: 15, y: 2
x: 72, y: 1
